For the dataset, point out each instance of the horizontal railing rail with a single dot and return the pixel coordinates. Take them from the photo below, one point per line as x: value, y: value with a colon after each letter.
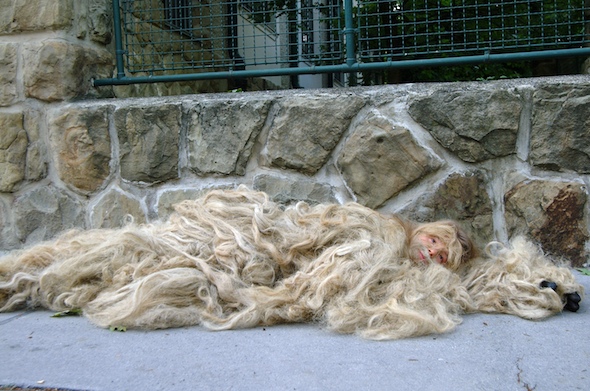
x: 185, y: 40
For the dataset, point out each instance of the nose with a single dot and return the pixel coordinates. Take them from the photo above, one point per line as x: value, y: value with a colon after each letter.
x: 572, y: 301
x: 432, y: 252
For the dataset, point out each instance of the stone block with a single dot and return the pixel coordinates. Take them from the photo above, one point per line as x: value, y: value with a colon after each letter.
x: 95, y: 20
x: 552, y: 213
x: 37, y: 160
x: 461, y: 197
x: 6, y: 16
x: 474, y: 124
x: 306, y: 129
x: 379, y: 160
x: 8, y: 61
x: 81, y: 146
x: 290, y: 190
x: 13, y: 150
x: 149, y: 142
x: 116, y: 209
x: 56, y: 70
x: 169, y: 198
x: 560, y: 126
x: 44, y: 212
x: 35, y: 15
x: 8, y: 238
x: 222, y: 133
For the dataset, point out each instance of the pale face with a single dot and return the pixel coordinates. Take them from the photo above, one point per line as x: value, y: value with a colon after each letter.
x: 434, y: 248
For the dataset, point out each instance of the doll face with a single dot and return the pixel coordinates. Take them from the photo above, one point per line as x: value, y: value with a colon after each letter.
x: 432, y: 247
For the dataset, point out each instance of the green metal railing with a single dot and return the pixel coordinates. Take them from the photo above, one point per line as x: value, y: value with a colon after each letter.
x: 179, y: 40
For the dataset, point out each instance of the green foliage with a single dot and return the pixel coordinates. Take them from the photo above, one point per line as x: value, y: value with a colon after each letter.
x: 429, y: 29
x: 479, y: 72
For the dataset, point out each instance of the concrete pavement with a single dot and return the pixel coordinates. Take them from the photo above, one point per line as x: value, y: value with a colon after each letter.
x: 486, y: 352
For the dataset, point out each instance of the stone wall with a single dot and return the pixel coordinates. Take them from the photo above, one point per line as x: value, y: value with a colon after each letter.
x: 503, y: 158
x: 52, y: 50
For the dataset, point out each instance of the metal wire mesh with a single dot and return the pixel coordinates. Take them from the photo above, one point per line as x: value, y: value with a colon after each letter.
x: 164, y: 35
x: 188, y: 36
x: 419, y: 28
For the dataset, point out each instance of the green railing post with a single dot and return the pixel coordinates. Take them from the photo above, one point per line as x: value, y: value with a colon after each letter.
x: 118, y: 41
x: 349, y: 33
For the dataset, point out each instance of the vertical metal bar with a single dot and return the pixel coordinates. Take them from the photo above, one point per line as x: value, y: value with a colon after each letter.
x: 118, y: 42
x: 349, y: 33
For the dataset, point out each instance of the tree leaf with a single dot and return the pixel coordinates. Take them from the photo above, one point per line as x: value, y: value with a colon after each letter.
x: 72, y: 312
x: 584, y: 271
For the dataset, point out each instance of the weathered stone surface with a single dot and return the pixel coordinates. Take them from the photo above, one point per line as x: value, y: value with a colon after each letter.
x: 58, y: 70
x: 307, y: 128
x: 379, y: 160
x: 170, y: 89
x: 560, y: 126
x: 6, y: 15
x: 81, y: 146
x: 462, y: 198
x: 116, y: 209
x: 476, y: 124
x: 552, y: 213
x: 148, y: 142
x: 8, y: 61
x: 169, y: 198
x: 286, y: 191
x: 34, y: 15
x: 99, y: 18
x: 37, y: 149
x: 222, y: 133
x: 8, y: 240
x: 44, y: 212
x: 13, y: 150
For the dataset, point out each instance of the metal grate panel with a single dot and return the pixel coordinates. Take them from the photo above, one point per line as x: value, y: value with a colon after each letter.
x: 165, y: 40
x: 431, y: 29
x: 173, y: 35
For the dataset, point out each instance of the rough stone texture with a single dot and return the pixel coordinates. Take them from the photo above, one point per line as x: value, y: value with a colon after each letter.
x: 6, y: 15
x: 553, y: 214
x: 354, y: 144
x: 307, y: 128
x: 222, y: 133
x: 288, y: 191
x: 56, y: 70
x: 13, y: 150
x: 34, y: 15
x: 149, y: 142
x: 560, y: 125
x: 99, y: 20
x: 36, y: 150
x: 169, y: 198
x: 379, y: 160
x: 8, y: 60
x: 43, y: 212
x: 461, y: 197
x: 81, y: 147
x: 116, y: 209
x: 475, y: 124
x: 8, y: 240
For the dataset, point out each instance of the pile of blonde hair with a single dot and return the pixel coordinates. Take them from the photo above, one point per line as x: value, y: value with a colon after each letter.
x: 235, y: 259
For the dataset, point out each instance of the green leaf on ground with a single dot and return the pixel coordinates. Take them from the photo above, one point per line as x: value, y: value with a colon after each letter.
x: 73, y: 312
x: 118, y: 328
x: 584, y: 271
